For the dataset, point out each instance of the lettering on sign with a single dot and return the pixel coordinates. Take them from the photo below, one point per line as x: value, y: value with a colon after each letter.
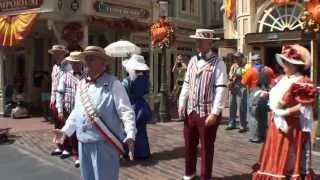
x: 272, y: 36
x: 17, y: 5
x: 117, y: 10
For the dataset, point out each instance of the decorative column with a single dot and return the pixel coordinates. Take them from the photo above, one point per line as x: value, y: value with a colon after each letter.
x: 245, y: 22
x: 85, y: 40
x: 2, y: 98
x: 162, y: 35
x: 314, y: 58
x: 311, y: 24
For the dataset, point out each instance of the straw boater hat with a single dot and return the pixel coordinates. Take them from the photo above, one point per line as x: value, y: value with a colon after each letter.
x: 294, y: 54
x: 75, y: 56
x: 136, y: 62
x: 97, y: 51
x: 204, y: 34
x: 57, y: 48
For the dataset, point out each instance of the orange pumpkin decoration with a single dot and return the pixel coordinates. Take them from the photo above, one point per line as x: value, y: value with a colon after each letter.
x: 162, y: 33
x: 282, y: 2
x: 313, y: 7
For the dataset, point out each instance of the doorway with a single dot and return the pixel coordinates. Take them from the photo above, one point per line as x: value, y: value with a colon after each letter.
x: 270, y: 56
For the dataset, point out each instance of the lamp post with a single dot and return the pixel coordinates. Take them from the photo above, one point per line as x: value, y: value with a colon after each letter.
x: 163, y: 109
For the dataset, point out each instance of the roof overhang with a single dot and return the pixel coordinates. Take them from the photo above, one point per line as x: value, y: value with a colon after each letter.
x: 272, y: 37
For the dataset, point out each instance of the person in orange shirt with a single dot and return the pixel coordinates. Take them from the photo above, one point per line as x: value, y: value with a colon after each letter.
x: 258, y: 79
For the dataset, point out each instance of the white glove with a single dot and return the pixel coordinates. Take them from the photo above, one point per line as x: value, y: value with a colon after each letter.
x: 281, y: 124
x: 281, y: 112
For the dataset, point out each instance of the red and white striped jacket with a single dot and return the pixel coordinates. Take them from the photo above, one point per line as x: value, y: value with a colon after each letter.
x: 204, y: 88
x: 55, y: 76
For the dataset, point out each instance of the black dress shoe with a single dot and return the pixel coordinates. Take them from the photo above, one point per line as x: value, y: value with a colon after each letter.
x: 243, y: 130
x: 77, y: 164
x: 257, y: 141
x: 56, y: 153
x: 65, y: 156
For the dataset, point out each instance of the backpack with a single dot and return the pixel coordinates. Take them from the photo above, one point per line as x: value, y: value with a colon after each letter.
x: 263, y: 79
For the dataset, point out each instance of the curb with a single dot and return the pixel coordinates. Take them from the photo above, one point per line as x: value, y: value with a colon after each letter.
x: 316, y: 153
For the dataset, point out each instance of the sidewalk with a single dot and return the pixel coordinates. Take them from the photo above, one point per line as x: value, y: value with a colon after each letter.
x: 23, y: 125
x: 234, y: 155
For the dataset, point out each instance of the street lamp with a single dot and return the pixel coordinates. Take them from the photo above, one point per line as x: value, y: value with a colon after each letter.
x: 163, y: 109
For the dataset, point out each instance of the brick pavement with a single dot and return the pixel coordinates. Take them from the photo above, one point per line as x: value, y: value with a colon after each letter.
x: 26, y: 124
x: 233, y: 154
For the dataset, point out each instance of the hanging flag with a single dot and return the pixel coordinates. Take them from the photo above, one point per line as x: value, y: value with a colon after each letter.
x: 230, y: 9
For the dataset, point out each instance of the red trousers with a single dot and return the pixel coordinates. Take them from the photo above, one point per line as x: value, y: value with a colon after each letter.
x: 195, y: 129
x: 71, y: 143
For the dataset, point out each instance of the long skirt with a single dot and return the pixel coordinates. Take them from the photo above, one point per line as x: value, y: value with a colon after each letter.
x: 143, y: 116
x: 285, y: 156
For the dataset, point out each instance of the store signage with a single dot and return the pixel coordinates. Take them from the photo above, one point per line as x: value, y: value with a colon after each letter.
x: 272, y: 36
x: 118, y: 10
x: 18, y: 5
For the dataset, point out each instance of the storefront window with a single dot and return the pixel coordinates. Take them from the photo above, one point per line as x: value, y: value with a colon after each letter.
x: 281, y: 18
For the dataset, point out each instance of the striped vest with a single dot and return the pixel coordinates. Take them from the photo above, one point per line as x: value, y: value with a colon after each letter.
x: 201, y: 86
x: 71, y: 83
x: 56, y: 74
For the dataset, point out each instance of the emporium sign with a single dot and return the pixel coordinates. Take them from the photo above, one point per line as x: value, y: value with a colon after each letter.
x: 118, y: 10
x: 18, y: 5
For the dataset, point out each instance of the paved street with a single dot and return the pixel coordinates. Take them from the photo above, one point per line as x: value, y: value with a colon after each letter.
x: 17, y: 164
x: 233, y: 158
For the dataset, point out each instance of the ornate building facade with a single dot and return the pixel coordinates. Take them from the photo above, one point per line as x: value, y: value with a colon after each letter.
x: 264, y: 26
x: 78, y: 23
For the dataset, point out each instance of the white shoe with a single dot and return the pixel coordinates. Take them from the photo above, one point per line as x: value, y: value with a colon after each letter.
x: 189, y: 177
x: 56, y: 152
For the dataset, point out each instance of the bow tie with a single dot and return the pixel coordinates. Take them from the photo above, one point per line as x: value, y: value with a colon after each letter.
x: 201, y: 56
x: 77, y: 73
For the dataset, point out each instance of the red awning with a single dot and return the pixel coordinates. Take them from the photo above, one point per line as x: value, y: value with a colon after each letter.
x: 13, y: 29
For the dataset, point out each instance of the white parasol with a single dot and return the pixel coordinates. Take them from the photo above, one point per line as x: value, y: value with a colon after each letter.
x: 122, y: 49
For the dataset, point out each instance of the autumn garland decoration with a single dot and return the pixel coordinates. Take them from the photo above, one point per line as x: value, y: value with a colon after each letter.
x: 283, y: 2
x: 311, y: 16
x: 162, y: 33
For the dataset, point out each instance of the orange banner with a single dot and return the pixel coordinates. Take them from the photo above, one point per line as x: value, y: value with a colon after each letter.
x: 282, y: 2
x: 13, y: 29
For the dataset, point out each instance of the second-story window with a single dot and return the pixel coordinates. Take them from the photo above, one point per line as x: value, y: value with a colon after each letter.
x: 192, y: 6
x: 184, y: 5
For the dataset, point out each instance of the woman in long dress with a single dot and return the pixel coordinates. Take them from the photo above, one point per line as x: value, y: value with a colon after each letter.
x: 137, y: 85
x: 286, y: 153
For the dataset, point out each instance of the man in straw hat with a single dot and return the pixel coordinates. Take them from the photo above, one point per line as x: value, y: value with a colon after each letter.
x: 66, y: 93
x: 58, y: 53
x: 201, y: 102
x: 102, y: 107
